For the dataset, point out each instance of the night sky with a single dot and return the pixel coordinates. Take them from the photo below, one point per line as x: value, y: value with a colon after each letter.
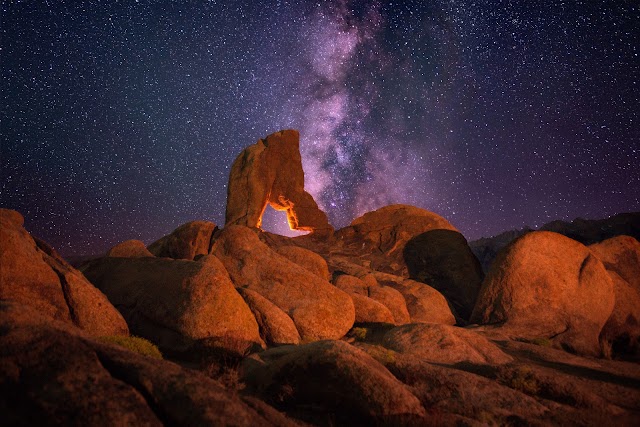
x: 120, y: 120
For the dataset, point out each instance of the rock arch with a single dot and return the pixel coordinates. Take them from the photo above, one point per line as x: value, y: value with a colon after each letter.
x: 270, y: 172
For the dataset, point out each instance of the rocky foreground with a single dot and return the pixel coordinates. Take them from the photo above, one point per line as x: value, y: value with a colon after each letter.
x: 389, y: 321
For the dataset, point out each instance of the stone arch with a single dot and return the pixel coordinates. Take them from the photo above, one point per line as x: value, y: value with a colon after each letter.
x: 270, y: 172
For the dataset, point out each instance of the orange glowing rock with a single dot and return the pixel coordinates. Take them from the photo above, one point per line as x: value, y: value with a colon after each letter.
x: 270, y: 172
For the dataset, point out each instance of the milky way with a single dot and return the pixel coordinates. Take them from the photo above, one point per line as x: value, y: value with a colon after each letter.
x: 120, y: 120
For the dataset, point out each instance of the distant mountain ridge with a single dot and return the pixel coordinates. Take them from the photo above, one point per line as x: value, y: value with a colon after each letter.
x: 585, y: 231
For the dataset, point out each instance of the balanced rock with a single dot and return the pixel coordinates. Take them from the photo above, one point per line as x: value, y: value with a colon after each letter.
x: 129, y: 249
x: 444, y: 344
x: 443, y: 260
x: 318, y: 309
x: 377, y: 239
x: 336, y: 377
x: 545, y: 285
x: 270, y: 172
x: 185, y: 242
x: 179, y: 305
x: 33, y: 274
x: 621, y: 257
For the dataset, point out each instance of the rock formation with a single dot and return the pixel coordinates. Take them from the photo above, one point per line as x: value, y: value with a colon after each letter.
x: 180, y: 305
x: 621, y: 257
x: 33, y: 274
x: 129, y: 249
x: 442, y: 259
x: 545, y: 285
x: 270, y: 172
x: 318, y: 309
x: 54, y: 374
x: 377, y: 239
x: 185, y: 242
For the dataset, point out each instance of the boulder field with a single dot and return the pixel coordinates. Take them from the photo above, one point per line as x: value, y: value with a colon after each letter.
x: 388, y: 321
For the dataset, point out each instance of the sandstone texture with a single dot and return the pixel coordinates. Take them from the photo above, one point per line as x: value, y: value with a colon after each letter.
x: 179, y: 305
x: 545, y: 285
x: 33, y: 274
x: 318, y: 309
x: 185, y: 242
x: 443, y: 260
x: 270, y: 172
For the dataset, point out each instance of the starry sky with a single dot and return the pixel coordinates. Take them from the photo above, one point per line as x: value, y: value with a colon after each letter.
x: 120, y: 119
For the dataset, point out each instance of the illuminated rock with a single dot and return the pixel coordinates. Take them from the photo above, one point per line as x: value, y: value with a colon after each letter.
x: 33, y: 274
x: 547, y: 286
x: 270, y: 172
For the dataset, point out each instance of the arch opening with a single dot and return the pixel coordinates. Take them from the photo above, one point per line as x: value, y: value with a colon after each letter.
x: 275, y: 221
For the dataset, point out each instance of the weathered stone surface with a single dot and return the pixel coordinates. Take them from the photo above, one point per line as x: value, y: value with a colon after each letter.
x: 424, y: 304
x: 545, y: 285
x: 377, y: 239
x: 32, y: 273
x: 306, y: 259
x: 334, y: 376
x: 177, y: 304
x: 444, y: 344
x: 443, y: 260
x: 53, y: 374
x: 621, y: 257
x: 351, y: 284
x: 185, y: 242
x: 370, y: 310
x: 276, y: 327
x: 270, y: 172
x: 318, y: 309
x: 129, y: 249
x: 393, y: 300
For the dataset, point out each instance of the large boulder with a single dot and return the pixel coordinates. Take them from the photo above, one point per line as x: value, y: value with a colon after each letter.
x: 53, y: 374
x: 318, y: 309
x: 420, y: 303
x: 443, y: 260
x: 32, y: 273
x: 377, y: 239
x: 276, y: 327
x: 545, y: 285
x: 621, y: 257
x: 270, y: 172
x: 185, y: 242
x: 180, y: 305
x: 444, y: 344
x: 129, y: 249
x: 334, y: 377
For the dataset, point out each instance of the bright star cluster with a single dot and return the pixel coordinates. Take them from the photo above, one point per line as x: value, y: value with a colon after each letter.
x: 120, y: 120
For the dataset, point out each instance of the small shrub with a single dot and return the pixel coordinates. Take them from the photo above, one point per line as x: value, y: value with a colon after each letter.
x: 542, y: 342
x: 135, y: 344
x: 522, y: 379
x: 360, y: 334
